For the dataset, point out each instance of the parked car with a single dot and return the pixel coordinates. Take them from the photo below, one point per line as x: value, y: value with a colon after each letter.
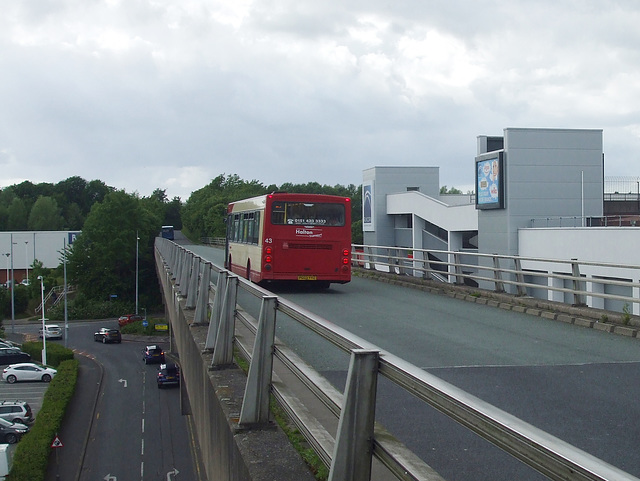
x: 153, y: 354
x: 8, y: 343
x: 51, y: 331
x: 27, y: 371
x: 128, y: 319
x: 16, y: 412
x: 106, y: 335
x: 12, y: 432
x: 168, y: 375
x: 12, y: 355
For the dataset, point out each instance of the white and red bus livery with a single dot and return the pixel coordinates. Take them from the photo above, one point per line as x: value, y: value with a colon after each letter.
x: 281, y: 236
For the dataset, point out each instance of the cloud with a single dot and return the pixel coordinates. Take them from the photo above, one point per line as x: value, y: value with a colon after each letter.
x: 151, y: 94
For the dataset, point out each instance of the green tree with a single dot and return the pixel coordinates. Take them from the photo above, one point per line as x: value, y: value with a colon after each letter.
x: 45, y: 215
x: 17, y: 215
x: 102, y: 260
x: 452, y: 190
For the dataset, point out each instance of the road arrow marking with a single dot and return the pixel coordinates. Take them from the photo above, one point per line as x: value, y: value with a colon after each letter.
x: 108, y: 477
x: 123, y: 381
x: 174, y: 472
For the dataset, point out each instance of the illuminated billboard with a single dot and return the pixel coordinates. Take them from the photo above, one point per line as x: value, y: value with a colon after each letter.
x: 490, y: 181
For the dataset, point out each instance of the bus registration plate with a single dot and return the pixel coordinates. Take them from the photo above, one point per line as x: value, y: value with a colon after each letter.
x: 307, y: 278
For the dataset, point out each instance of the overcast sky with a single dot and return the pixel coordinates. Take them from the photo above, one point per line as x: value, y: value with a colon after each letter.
x: 146, y: 94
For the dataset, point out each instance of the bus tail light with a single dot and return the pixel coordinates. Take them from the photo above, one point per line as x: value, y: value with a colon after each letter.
x: 268, y: 259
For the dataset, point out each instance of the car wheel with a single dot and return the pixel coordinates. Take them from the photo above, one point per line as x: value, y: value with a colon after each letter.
x: 104, y: 340
x: 11, y: 379
x: 18, y: 421
x: 11, y: 438
x: 46, y: 378
x: 159, y: 385
x: 95, y: 339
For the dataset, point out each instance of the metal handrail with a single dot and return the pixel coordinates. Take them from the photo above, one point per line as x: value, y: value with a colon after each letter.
x: 545, y: 453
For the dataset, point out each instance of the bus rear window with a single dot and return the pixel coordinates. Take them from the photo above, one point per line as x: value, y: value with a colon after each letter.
x: 302, y: 213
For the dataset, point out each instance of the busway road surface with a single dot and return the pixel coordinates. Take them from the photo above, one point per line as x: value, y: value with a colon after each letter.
x: 581, y: 385
x: 137, y: 431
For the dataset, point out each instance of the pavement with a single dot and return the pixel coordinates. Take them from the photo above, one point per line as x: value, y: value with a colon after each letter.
x: 65, y: 462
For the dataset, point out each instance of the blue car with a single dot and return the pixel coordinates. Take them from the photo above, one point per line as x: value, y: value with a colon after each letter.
x: 153, y: 355
x: 168, y: 375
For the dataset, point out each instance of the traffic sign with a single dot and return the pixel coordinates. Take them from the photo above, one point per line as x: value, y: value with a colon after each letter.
x: 56, y: 443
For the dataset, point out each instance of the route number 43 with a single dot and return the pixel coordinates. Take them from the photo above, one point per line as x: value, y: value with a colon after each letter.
x: 268, y: 240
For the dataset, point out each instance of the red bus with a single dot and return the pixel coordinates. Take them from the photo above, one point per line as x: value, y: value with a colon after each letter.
x: 281, y: 236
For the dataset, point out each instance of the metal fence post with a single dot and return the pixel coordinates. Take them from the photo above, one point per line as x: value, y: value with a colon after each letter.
x: 255, y: 404
x: 202, y: 303
x: 216, y: 309
x: 458, y: 268
x: 192, y: 285
x: 184, y: 275
x: 353, y: 449
x: 578, y: 284
x: 522, y: 291
x: 223, y: 348
x: 497, y: 274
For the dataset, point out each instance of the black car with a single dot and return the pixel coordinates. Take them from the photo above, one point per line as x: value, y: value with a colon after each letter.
x: 12, y: 432
x: 106, y: 335
x: 169, y: 375
x: 153, y: 354
x: 11, y: 355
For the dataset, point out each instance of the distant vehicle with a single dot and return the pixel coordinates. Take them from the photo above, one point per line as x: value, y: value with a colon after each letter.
x: 25, y: 282
x: 12, y: 432
x: 128, y: 319
x: 12, y: 355
x: 27, y: 371
x: 16, y: 412
x: 290, y: 237
x: 51, y: 331
x: 167, y: 232
x: 168, y: 375
x: 106, y: 335
x: 153, y: 354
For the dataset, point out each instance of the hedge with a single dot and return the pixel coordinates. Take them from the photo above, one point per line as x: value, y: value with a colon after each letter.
x: 56, y: 353
x: 32, y: 453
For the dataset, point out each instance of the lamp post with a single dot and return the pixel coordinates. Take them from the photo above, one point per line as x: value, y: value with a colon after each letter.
x: 44, y: 338
x: 26, y: 259
x: 7, y: 282
x: 137, y: 242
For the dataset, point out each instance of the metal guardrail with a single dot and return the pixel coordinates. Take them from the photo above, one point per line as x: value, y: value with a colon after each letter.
x: 358, y: 436
x: 582, y: 281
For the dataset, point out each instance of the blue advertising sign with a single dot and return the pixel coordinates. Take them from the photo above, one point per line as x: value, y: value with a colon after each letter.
x: 490, y: 182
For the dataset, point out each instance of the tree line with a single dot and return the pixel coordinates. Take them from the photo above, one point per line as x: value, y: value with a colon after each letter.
x: 119, y: 229
x: 204, y: 213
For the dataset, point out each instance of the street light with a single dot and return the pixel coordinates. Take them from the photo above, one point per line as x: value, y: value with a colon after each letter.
x: 137, y: 242
x: 7, y: 283
x: 26, y: 259
x: 44, y: 338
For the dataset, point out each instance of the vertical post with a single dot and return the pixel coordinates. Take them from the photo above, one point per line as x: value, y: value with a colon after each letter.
x: 578, y: 284
x: 66, y: 310
x: 202, y: 303
x: 223, y: 349
x: 216, y: 310
x: 458, y: 268
x: 184, y: 274
x: 354, y: 441
x: 192, y: 285
x: 497, y: 274
x: 137, y: 242
x: 44, y: 337
x: 255, y: 405
x: 522, y: 291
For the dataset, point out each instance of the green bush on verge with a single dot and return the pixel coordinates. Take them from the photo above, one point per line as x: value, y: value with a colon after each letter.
x: 56, y: 353
x: 32, y: 454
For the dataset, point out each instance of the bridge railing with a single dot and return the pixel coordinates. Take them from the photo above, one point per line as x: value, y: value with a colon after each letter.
x: 599, y: 285
x: 208, y: 288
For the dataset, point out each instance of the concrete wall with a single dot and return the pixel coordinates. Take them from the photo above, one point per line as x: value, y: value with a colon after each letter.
x: 214, y: 399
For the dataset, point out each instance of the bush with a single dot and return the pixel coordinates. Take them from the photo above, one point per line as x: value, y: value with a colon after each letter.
x: 150, y: 330
x: 87, y: 309
x: 56, y: 353
x: 32, y: 453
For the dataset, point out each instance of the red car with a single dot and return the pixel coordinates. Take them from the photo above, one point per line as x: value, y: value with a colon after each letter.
x: 128, y: 319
